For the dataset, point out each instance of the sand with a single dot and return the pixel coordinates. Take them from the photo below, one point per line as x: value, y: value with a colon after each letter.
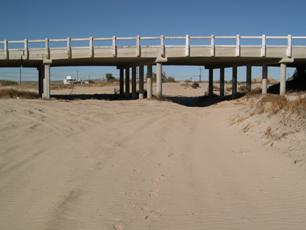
x: 95, y: 164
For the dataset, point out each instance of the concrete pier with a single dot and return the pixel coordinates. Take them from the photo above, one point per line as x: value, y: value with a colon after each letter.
x: 264, y: 86
x: 282, y: 83
x: 40, y: 80
x: 234, y: 82
x: 159, y: 69
x: 249, y: 78
x: 210, y: 82
x: 141, y: 81
x: 221, y: 82
x: 121, y: 80
x: 149, y: 81
x: 127, y: 82
x: 134, y: 93
x: 46, y: 82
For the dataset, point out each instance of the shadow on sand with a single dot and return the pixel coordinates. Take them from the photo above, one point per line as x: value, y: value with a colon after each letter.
x: 201, y: 101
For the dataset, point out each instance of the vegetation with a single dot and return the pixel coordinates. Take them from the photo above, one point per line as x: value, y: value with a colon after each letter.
x: 14, y: 93
x: 169, y: 79
x: 109, y: 77
x: 273, y: 104
x: 7, y: 83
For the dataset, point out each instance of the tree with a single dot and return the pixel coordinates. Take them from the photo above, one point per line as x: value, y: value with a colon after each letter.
x: 110, y: 77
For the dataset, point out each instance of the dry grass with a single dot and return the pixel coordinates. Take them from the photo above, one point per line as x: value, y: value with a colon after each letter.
x: 273, y: 104
x: 14, y: 93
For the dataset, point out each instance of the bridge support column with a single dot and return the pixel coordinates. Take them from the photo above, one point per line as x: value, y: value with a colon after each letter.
x: 141, y: 81
x: 121, y: 80
x: 222, y: 82
x: 127, y: 82
x: 134, y: 93
x: 249, y: 78
x: 149, y: 81
x: 282, y: 83
x: 210, y: 82
x: 234, y: 82
x: 264, y: 86
x: 159, y: 69
x: 46, y: 82
x: 40, y: 80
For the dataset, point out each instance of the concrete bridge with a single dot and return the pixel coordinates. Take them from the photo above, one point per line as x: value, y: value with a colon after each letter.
x: 209, y: 51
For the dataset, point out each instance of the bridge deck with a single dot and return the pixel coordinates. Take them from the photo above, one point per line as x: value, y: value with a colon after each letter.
x: 224, y: 54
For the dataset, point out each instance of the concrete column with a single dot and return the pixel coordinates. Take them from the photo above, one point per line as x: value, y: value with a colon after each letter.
x: 127, y: 81
x: 159, y: 69
x: 121, y: 81
x: 40, y: 80
x: 249, y: 78
x: 210, y: 82
x: 134, y: 93
x: 221, y: 82
x: 149, y: 81
x: 282, y: 83
x: 46, y: 82
x: 141, y: 81
x: 234, y: 82
x: 264, y: 86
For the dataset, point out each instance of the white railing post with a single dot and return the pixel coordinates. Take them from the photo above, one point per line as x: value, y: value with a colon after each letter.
x: 289, y: 49
x: 138, y: 51
x: 69, y: 51
x: 237, y: 51
x: 6, y: 50
x: 212, y: 45
x: 187, y: 45
x: 114, y: 46
x: 162, y: 45
x: 91, y: 47
x: 263, y: 45
x: 26, y: 48
x: 47, y: 48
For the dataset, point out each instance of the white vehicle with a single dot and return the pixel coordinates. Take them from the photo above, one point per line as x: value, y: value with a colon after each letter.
x: 69, y: 80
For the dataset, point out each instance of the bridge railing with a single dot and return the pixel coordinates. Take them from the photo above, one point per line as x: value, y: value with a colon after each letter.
x: 185, y: 41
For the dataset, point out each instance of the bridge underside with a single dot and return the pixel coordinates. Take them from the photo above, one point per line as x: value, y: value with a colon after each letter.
x: 209, y: 62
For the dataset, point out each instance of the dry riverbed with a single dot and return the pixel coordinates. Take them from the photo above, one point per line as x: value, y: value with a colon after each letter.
x: 139, y: 164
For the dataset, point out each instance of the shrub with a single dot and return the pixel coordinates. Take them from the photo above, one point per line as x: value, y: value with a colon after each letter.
x: 13, y: 93
x: 7, y: 83
x: 110, y: 77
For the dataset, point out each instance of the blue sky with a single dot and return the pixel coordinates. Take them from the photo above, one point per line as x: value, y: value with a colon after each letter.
x: 35, y: 19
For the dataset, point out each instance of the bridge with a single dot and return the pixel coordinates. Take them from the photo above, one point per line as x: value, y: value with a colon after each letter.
x: 130, y: 53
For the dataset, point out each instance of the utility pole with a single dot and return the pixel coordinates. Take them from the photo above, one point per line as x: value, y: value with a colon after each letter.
x: 200, y: 76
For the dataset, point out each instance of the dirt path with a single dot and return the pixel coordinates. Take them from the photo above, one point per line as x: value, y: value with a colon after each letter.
x: 140, y: 165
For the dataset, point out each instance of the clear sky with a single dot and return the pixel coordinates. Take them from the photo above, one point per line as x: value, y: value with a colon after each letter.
x: 35, y: 19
